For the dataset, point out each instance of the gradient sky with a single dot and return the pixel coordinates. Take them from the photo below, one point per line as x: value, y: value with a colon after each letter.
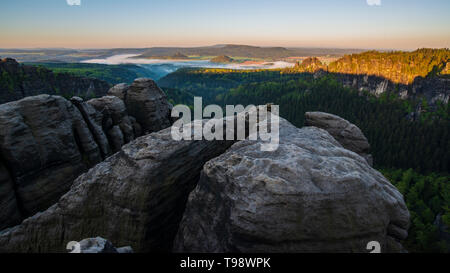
x: 401, y: 24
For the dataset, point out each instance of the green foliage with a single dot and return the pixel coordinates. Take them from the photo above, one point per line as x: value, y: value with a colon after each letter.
x: 6, y: 81
x: 396, y: 141
x: 426, y: 196
x: 112, y: 74
x: 397, y: 66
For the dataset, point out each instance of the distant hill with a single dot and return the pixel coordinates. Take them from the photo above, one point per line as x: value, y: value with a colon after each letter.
x: 222, y: 59
x: 18, y: 81
x: 179, y: 55
x: 64, y: 55
x: 228, y: 50
x: 245, y: 51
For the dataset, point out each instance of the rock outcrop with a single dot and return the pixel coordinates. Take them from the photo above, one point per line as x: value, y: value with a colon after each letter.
x: 135, y: 197
x: 346, y: 133
x: 47, y: 141
x: 310, y: 195
x: 119, y: 90
x: 45, y: 144
x: 116, y: 123
x: 99, y: 245
x: 147, y: 103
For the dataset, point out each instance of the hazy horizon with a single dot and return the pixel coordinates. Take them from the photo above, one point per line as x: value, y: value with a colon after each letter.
x: 105, y: 24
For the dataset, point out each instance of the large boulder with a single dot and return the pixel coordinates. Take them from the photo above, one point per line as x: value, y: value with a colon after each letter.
x: 310, y: 195
x: 119, y: 90
x: 147, y: 103
x: 98, y: 245
x: 135, y: 197
x: 116, y: 123
x: 44, y: 144
x: 346, y: 133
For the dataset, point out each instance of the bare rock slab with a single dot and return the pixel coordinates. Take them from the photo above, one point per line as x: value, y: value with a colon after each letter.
x: 310, y: 195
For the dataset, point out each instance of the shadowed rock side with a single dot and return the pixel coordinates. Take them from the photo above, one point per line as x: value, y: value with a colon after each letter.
x: 135, y: 197
x: 346, y: 133
x: 46, y: 142
x: 311, y: 195
x: 10, y: 214
x: 146, y: 102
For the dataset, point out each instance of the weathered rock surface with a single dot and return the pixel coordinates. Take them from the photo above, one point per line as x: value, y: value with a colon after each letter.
x: 119, y: 90
x: 346, y: 133
x: 93, y: 119
x: 135, y: 197
x: 146, y: 102
x: 311, y: 195
x: 116, y: 122
x: 45, y: 144
x: 100, y: 245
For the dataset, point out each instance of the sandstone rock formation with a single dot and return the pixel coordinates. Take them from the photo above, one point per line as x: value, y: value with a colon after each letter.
x: 116, y: 122
x: 146, y: 102
x: 99, y: 245
x: 311, y: 195
x: 135, y: 197
x: 46, y: 142
x: 346, y: 133
x: 119, y: 90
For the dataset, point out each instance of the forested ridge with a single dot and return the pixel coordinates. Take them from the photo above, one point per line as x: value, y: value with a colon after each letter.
x: 112, y: 74
x: 18, y: 81
x: 397, y: 66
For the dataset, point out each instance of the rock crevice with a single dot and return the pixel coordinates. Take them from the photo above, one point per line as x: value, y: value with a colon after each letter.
x: 47, y: 141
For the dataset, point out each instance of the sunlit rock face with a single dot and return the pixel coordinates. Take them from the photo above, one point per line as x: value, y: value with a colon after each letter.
x: 346, y: 133
x: 310, y: 195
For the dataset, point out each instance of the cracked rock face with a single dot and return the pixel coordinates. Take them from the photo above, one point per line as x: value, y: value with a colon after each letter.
x: 311, y: 195
x: 135, y: 197
x: 346, y: 133
x: 45, y: 144
x: 115, y: 120
x: 148, y: 104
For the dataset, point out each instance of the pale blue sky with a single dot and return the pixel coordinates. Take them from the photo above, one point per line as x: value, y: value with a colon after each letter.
x: 403, y: 24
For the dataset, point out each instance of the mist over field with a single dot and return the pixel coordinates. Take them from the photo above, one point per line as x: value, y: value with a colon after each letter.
x: 163, y: 67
